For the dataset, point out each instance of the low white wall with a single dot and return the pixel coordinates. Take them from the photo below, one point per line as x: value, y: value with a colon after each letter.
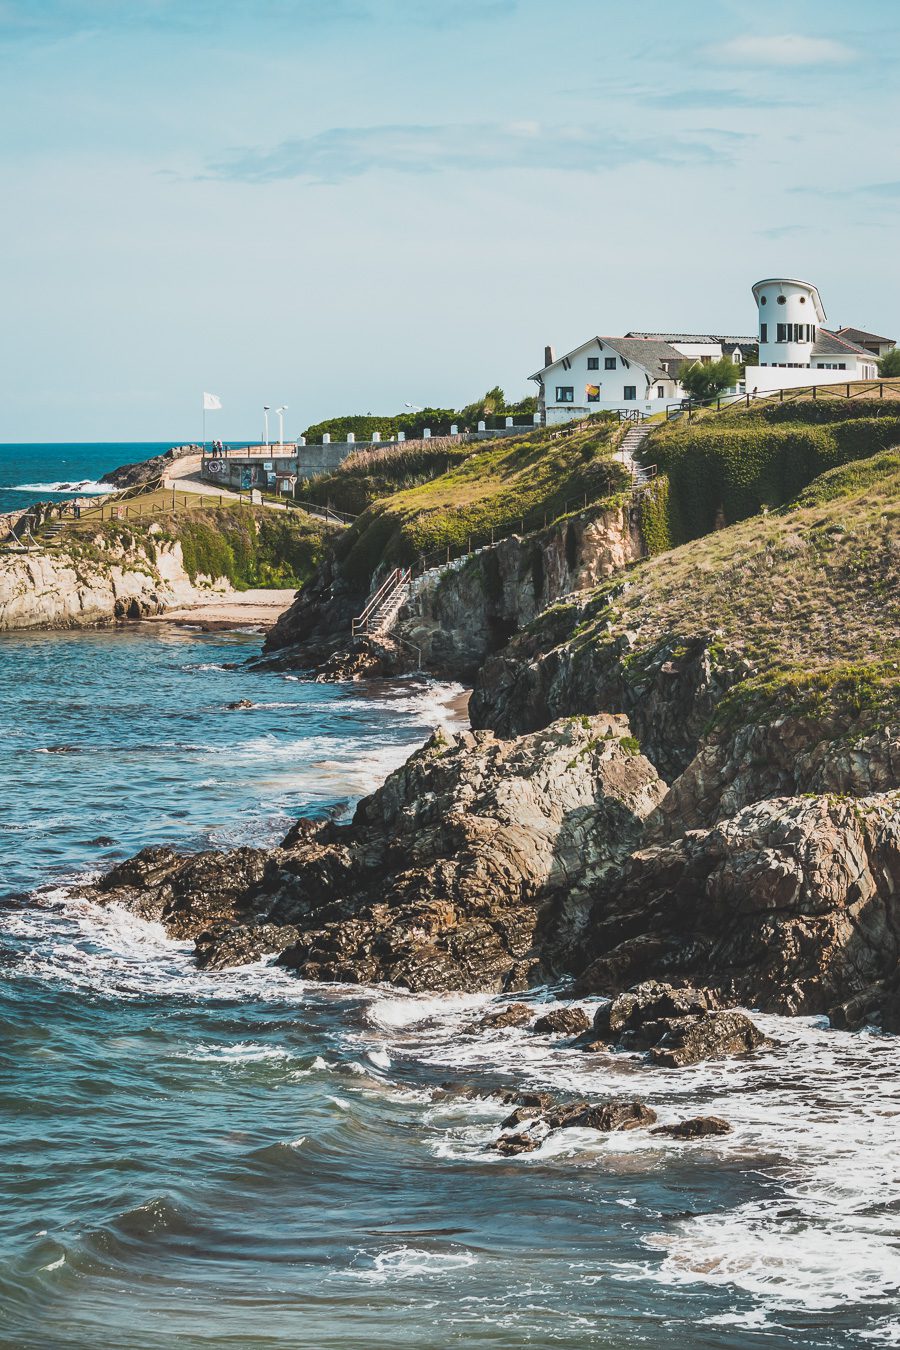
x: 762, y: 379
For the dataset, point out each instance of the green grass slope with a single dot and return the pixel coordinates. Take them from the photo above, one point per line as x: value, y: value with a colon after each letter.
x: 506, y: 485
x: 805, y: 600
x: 250, y: 546
x: 721, y: 468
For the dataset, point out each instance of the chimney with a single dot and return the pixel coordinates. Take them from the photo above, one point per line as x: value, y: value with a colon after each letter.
x: 549, y: 356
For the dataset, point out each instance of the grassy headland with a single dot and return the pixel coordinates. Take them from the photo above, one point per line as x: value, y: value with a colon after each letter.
x: 250, y: 546
x: 513, y: 483
x: 723, y: 467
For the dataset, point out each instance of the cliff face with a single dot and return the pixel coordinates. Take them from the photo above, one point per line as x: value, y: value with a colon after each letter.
x: 691, y: 773
x: 62, y: 590
x: 458, y: 617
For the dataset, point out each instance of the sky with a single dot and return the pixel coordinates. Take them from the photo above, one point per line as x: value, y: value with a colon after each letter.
x: 347, y: 205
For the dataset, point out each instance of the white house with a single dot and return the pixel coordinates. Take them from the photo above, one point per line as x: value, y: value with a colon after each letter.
x: 635, y: 373
x: 795, y: 347
x: 639, y: 372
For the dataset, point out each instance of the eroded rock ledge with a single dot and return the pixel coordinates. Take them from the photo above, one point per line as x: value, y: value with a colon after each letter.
x: 472, y: 868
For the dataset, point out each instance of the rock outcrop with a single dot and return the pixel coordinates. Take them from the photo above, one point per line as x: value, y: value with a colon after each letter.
x: 99, y: 584
x: 456, y: 615
x: 471, y: 868
x: 793, y: 905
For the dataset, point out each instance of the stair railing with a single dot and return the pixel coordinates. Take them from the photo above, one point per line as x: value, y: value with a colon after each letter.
x: 400, y: 576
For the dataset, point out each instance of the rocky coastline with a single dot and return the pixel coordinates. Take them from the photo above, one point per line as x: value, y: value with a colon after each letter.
x: 645, y: 802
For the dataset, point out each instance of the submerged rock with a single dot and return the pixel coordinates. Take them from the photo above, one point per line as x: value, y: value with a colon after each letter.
x: 697, y: 1127
x: 543, y: 1120
x: 514, y: 1015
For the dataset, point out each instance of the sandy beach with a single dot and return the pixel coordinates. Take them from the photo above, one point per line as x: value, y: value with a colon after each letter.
x: 250, y: 609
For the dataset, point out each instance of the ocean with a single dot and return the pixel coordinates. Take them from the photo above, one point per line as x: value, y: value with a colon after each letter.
x: 38, y: 473
x: 246, y: 1160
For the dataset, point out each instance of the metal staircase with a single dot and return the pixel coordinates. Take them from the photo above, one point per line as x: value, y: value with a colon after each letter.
x: 384, y: 605
x: 628, y: 451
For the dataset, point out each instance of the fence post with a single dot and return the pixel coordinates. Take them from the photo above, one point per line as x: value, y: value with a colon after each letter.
x: 848, y: 388
x: 881, y: 389
x: 815, y: 392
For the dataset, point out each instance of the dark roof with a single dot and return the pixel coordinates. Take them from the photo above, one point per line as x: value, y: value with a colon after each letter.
x: 860, y: 335
x: 647, y: 352
x: 727, y: 341
x: 831, y: 344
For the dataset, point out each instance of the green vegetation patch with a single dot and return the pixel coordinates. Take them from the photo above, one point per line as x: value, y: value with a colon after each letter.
x: 249, y: 546
x: 511, y: 484
x: 722, y: 469
x: 366, y: 475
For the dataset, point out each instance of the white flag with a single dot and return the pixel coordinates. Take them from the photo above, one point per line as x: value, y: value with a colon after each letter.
x: 211, y: 403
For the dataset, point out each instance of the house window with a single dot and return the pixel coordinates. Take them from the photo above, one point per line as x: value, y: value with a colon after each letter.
x: 660, y: 391
x: 592, y: 392
x: 609, y: 363
x: 629, y: 393
x: 565, y: 393
x: 593, y: 363
x: 763, y: 332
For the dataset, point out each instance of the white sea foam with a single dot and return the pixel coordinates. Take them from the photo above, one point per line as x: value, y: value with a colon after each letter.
x: 82, y: 487
x: 403, y: 1263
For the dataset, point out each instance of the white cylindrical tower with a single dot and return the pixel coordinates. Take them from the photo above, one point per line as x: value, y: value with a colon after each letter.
x: 790, y: 315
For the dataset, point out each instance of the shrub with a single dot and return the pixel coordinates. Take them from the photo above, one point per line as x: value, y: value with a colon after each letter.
x: 721, y: 471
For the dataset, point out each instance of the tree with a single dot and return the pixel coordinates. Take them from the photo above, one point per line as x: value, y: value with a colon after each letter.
x: 889, y: 365
x: 701, y: 382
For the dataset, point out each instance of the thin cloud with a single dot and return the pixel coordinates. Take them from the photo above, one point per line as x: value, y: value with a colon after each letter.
x: 788, y: 49
x: 347, y: 152
x: 689, y: 99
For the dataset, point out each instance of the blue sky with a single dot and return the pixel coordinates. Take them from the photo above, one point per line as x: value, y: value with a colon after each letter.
x: 344, y: 205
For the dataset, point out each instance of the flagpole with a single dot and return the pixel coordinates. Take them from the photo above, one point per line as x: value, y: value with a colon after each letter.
x: 203, y: 402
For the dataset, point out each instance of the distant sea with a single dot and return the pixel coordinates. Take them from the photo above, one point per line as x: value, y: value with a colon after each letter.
x: 38, y: 473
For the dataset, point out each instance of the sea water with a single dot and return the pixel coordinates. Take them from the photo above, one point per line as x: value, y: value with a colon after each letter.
x: 246, y: 1160
x: 50, y: 473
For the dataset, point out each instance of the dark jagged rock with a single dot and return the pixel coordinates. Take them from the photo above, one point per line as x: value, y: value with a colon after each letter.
x: 511, y: 1144
x: 239, y: 703
x: 541, y: 1120
x: 513, y: 1015
x: 698, y: 1127
x: 562, y: 1021
x: 718, y: 1035
x: 678, y: 1026
x: 605, y: 1116
x: 791, y: 905
x: 367, y: 659
x: 648, y: 1002
x: 470, y: 868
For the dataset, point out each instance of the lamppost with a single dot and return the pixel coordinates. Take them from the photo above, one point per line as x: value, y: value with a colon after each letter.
x: 280, y: 412
x: 265, y: 424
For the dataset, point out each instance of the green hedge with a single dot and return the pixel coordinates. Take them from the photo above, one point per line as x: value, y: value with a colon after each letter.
x: 720, y: 472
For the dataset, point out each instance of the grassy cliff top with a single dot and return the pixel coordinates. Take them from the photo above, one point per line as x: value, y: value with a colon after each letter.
x: 250, y: 546
x: 724, y: 467
x: 511, y: 483
x: 812, y: 586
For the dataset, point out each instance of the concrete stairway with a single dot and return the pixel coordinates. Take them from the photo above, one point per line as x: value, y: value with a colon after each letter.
x: 628, y: 452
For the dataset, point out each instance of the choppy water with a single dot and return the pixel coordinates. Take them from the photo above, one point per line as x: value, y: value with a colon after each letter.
x: 245, y: 1160
x: 40, y: 473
